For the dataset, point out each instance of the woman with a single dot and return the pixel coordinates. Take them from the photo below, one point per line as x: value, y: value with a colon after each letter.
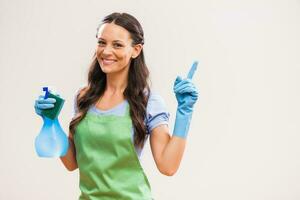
x: 115, y: 113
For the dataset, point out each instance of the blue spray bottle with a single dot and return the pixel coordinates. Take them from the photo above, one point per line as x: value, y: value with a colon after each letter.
x: 52, y: 140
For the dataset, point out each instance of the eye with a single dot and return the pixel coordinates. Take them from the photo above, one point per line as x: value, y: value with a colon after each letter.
x: 101, y: 43
x: 118, y: 45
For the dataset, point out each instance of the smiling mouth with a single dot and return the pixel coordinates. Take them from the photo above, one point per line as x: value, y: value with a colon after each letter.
x: 108, y: 61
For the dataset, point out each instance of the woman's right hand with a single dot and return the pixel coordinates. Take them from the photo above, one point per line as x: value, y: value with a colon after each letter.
x: 41, y: 104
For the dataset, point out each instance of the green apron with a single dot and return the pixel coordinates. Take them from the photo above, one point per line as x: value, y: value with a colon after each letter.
x: 108, y: 164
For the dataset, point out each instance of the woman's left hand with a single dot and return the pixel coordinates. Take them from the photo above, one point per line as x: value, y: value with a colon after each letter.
x: 186, y: 94
x: 185, y: 91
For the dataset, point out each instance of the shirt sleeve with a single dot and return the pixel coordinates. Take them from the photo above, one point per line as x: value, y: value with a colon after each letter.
x: 75, y: 110
x: 157, y: 113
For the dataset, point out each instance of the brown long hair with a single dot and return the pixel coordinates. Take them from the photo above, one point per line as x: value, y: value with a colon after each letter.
x: 137, y: 91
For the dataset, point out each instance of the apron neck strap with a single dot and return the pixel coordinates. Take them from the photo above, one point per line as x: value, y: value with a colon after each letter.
x: 127, y: 112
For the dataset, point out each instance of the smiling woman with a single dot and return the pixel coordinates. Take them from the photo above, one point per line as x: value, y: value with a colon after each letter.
x: 116, y: 112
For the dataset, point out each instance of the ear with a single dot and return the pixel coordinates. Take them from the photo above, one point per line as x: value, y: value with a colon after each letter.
x: 136, y: 50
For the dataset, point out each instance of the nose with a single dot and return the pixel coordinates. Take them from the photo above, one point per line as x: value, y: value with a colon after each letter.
x: 107, y: 50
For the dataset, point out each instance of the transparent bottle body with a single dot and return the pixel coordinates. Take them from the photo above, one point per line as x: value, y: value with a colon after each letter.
x: 52, y: 140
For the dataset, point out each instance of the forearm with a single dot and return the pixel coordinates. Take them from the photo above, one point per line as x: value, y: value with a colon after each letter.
x: 69, y: 160
x: 172, y: 155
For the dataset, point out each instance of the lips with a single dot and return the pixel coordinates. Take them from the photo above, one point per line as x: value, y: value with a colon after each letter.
x: 108, y: 61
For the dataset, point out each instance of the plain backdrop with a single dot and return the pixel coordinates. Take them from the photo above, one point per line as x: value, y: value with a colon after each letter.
x: 244, y: 137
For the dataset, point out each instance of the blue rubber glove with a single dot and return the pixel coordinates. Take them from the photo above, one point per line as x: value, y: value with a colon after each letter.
x: 186, y: 94
x: 42, y: 103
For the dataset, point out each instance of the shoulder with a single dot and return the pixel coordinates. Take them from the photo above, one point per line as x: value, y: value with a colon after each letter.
x: 81, y: 91
x: 155, y: 100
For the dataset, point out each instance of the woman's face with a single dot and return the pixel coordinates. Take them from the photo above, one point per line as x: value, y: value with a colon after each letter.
x: 114, y: 49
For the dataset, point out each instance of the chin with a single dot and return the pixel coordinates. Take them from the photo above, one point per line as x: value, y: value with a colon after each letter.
x: 108, y: 70
x: 105, y: 70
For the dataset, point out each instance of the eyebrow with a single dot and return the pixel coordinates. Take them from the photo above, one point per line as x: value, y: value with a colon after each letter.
x: 113, y: 41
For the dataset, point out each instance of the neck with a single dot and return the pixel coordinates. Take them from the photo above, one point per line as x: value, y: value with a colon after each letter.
x: 116, y: 83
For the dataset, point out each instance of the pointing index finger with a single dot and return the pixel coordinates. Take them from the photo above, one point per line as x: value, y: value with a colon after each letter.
x: 192, y: 70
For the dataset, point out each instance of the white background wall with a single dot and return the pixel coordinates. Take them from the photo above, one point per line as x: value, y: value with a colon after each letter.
x: 244, y: 137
